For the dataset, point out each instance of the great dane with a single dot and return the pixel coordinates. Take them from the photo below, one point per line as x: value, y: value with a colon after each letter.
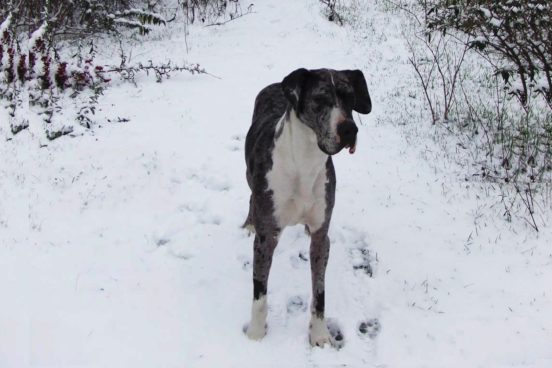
x: 297, y: 126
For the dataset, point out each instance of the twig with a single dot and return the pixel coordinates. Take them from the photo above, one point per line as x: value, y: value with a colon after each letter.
x: 529, y: 204
x: 405, y: 9
x: 231, y: 19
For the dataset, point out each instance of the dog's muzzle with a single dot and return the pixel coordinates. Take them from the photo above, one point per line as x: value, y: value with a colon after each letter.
x: 347, y: 132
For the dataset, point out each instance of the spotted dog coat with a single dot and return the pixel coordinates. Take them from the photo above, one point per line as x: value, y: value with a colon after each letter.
x: 297, y: 126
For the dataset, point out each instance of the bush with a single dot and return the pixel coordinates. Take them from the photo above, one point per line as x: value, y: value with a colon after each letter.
x: 40, y: 80
x: 513, y: 35
x: 484, y: 69
x: 79, y: 18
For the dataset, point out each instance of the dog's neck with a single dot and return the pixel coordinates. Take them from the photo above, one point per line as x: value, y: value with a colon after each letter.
x: 298, y: 174
x: 296, y: 140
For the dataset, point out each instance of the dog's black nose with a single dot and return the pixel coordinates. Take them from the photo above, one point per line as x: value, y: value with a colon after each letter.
x: 347, y: 132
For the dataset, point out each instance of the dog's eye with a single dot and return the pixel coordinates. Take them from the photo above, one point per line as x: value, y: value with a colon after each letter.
x: 346, y: 97
x: 321, y: 101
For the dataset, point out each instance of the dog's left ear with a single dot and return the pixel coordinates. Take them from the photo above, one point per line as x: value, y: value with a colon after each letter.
x: 292, y: 86
x: 363, y: 104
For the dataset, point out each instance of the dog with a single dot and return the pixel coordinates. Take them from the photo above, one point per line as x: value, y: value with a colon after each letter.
x: 297, y: 126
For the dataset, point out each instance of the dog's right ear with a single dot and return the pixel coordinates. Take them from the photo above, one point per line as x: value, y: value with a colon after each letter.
x: 292, y: 86
x: 363, y: 103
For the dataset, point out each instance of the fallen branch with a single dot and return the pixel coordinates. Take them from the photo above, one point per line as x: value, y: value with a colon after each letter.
x: 161, y: 71
x: 249, y: 11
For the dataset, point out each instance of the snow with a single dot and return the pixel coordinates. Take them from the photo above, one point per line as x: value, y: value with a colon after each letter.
x: 128, y: 22
x: 486, y: 12
x: 495, y: 22
x: 480, y: 39
x: 5, y: 24
x: 541, y: 84
x: 36, y: 35
x: 122, y: 247
x: 146, y: 13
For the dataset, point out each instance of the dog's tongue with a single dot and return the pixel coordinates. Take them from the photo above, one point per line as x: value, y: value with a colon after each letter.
x: 352, y: 148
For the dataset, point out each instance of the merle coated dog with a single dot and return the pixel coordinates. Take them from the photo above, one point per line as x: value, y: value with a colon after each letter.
x: 297, y: 126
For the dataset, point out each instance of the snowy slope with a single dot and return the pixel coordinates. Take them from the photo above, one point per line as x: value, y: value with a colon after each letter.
x: 123, y: 247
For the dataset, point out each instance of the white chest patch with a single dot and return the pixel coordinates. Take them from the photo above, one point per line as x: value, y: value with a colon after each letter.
x: 298, y: 176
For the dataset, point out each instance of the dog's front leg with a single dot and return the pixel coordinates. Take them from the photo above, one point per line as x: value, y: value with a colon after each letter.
x: 263, y: 251
x: 319, y: 252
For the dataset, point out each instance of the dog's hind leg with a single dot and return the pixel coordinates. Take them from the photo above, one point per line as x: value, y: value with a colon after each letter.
x: 319, y: 253
x: 264, y: 246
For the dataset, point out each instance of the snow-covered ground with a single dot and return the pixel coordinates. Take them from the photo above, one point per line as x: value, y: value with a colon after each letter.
x: 123, y: 247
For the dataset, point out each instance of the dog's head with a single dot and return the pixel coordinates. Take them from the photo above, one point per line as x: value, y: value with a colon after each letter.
x: 324, y: 100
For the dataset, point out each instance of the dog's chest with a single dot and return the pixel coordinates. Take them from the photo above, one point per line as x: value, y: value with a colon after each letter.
x: 298, y: 179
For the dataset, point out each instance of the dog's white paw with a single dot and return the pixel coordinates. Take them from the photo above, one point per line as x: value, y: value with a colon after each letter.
x: 256, y: 329
x: 319, y: 335
x: 256, y: 333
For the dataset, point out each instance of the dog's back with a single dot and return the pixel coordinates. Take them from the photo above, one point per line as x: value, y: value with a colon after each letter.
x: 270, y: 106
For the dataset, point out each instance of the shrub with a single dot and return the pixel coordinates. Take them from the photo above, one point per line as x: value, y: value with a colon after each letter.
x: 80, y: 18
x: 513, y: 35
x: 484, y: 69
x: 39, y: 78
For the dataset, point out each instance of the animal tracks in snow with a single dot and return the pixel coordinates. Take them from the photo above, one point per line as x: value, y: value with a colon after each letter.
x: 352, y: 252
x: 299, y: 259
x: 338, y: 339
x: 296, y: 304
x: 236, y: 143
x: 210, y: 182
x: 361, y: 259
x: 370, y: 328
x: 357, y: 243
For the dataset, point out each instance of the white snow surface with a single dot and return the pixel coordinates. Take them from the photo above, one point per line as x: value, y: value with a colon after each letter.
x: 122, y: 247
x: 5, y: 24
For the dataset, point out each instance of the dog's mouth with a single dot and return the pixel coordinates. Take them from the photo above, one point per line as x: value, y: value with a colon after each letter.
x: 346, y: 135
x: 351, y: 146
x: 332, y: 151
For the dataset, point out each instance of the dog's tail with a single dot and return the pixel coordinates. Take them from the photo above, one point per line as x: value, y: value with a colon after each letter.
x: 249, y: 227
x: 248, y: 224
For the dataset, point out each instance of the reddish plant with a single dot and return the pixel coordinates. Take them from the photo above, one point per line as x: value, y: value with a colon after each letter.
x: 61, y: 76
x: 32, y: 62
x: 39, y: 46
x: 22, y: 69
x: 45, y: 82
x: 10, y: 76
x: 99, y: 73
x: 6, y: 38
